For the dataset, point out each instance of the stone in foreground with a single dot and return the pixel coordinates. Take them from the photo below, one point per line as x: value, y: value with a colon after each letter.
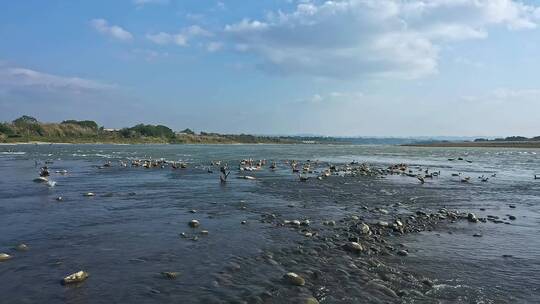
x: 77, y: 277
x: 294, y: 279
x: 4, y: 257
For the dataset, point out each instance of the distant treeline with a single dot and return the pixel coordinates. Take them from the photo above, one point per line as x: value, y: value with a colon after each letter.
x: 29, y: 129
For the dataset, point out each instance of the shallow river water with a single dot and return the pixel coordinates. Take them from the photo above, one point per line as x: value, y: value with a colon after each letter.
x: 129, y: 232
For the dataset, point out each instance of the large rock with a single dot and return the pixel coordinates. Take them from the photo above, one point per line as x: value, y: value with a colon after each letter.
x: 194, y: 224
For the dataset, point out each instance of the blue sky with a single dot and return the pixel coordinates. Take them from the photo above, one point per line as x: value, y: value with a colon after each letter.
x: 344, y: 67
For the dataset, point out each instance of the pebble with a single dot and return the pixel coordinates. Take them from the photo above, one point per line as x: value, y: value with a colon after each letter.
x: 364, y: 228
x: 170, y: 275
x: 427, y: 282
x: 294, y: 279
x: 75, y: 277
x: 402, y: 253
x: 4, y: 257
x: 472, y: 218
x: 194, y: 224
x: 21, y: 247
x: 354, y: 247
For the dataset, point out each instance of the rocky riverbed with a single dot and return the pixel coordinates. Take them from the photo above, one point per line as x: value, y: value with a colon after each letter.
x: 298, y: 231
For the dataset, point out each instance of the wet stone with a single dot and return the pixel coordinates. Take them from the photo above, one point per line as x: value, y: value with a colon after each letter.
x: 76, y: 277
x: 294, y: 279
x: 472, y: 218
x: 194, y: 224
x: 21, y: 247
x: 427, y: 282
x: 310, y: 301
x: 354, y: 247
x: 170, y: 275
x: 402, y: 253
x: 4, y: 257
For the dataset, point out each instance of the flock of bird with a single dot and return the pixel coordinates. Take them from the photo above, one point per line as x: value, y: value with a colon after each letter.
x: 302, y: 170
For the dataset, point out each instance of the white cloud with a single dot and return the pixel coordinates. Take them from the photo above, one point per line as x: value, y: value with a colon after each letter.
x: 345, y: 38
x: 14, y: 77
x: 114, y: 31
x: 182, y: 38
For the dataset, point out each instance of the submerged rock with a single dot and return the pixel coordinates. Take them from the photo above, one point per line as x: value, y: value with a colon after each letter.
x: 21, y: 247
x: 170, y: 275
x: 294, y: 279
x: 75, y: 277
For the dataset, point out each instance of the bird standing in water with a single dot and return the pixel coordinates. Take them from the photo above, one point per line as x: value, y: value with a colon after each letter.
x: 224, y: 174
